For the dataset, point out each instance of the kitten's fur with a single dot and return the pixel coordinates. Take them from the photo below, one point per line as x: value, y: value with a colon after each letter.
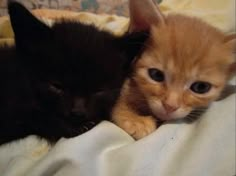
x: 60, y: 81
x: 180, y: 52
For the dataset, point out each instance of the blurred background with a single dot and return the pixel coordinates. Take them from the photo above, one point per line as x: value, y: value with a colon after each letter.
x: 119, y: 7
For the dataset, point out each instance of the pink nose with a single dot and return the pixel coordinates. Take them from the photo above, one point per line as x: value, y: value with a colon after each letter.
x: 170, y: 108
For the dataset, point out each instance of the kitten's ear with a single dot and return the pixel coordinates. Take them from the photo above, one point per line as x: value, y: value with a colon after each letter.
x: 132, y: 44
x: 27, y: 28
x: 143, y: 14
x: 230, y: 42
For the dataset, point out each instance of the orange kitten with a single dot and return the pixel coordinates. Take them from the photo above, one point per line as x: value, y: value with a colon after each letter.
x: 185, y: 66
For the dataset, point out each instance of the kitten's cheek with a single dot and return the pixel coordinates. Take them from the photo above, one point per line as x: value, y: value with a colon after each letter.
x: 157, y: 110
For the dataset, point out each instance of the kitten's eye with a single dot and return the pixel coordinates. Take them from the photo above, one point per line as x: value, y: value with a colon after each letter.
x: 200, y: 87
x: 56, y: 87
x: 156, y: 74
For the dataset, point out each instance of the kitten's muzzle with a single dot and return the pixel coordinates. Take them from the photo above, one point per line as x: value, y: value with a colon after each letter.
x: 169, y: 108
x: 79, y: 107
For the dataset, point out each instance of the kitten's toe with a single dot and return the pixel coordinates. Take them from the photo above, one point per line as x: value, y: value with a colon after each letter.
x: 139, y: 128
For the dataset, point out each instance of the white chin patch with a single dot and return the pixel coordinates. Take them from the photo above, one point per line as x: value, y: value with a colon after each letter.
x: 161, y: 114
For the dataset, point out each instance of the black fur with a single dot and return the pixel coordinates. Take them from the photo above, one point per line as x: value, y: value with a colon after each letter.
x: 60, y: 81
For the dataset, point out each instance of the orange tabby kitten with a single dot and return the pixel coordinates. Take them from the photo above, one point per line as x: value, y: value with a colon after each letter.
x: 185, y: 66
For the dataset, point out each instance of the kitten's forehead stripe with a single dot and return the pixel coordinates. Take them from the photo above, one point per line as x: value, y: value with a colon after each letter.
x: 173, y: 42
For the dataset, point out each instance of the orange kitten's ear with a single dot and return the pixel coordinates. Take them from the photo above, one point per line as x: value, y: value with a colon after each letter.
x: 230, y: 42
x: 232, y: 70
x: 143, y: 14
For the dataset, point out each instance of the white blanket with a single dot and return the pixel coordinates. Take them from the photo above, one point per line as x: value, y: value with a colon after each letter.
x: 203, y: 148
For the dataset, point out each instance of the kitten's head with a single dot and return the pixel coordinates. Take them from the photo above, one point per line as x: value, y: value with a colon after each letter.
x: 185, y: 65
x: 71, y: 58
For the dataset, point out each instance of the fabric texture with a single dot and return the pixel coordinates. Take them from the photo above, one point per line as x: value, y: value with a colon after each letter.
x: 205, y: 147
x: 95, y: 6
x: 219, y: 13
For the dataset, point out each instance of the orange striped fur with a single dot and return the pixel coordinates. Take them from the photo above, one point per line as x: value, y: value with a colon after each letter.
x: 186, y: 50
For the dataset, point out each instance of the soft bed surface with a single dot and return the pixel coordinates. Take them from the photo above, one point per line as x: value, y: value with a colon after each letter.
x: 203, y: 148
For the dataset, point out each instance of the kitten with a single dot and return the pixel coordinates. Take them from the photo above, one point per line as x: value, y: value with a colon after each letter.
x: 185, y: 66
x: 60, y: 81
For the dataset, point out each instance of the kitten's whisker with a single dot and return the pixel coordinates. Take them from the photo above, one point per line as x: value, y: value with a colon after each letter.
x: 191, y: 115
x: 201, y: 108
x: 195, y: 113
x: 86, y: 128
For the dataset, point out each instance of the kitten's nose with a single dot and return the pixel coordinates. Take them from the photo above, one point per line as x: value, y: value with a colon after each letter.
x: 79, y: 107
x: 170, y: 108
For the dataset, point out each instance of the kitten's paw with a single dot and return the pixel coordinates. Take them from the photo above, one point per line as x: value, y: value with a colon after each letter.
x: 139, y: 127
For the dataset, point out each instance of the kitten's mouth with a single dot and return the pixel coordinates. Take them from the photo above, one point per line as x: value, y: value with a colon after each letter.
x: 190, y: 117
x: 162, y: 117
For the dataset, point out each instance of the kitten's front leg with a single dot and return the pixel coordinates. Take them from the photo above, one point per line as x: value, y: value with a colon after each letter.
x: 135, y: 125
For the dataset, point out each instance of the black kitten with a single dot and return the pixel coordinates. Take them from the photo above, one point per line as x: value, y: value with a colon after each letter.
x: 60, y: 81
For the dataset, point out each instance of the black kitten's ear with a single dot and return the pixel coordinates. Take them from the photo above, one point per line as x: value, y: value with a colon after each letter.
x: 27, y: 28
x: 133, y: 44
